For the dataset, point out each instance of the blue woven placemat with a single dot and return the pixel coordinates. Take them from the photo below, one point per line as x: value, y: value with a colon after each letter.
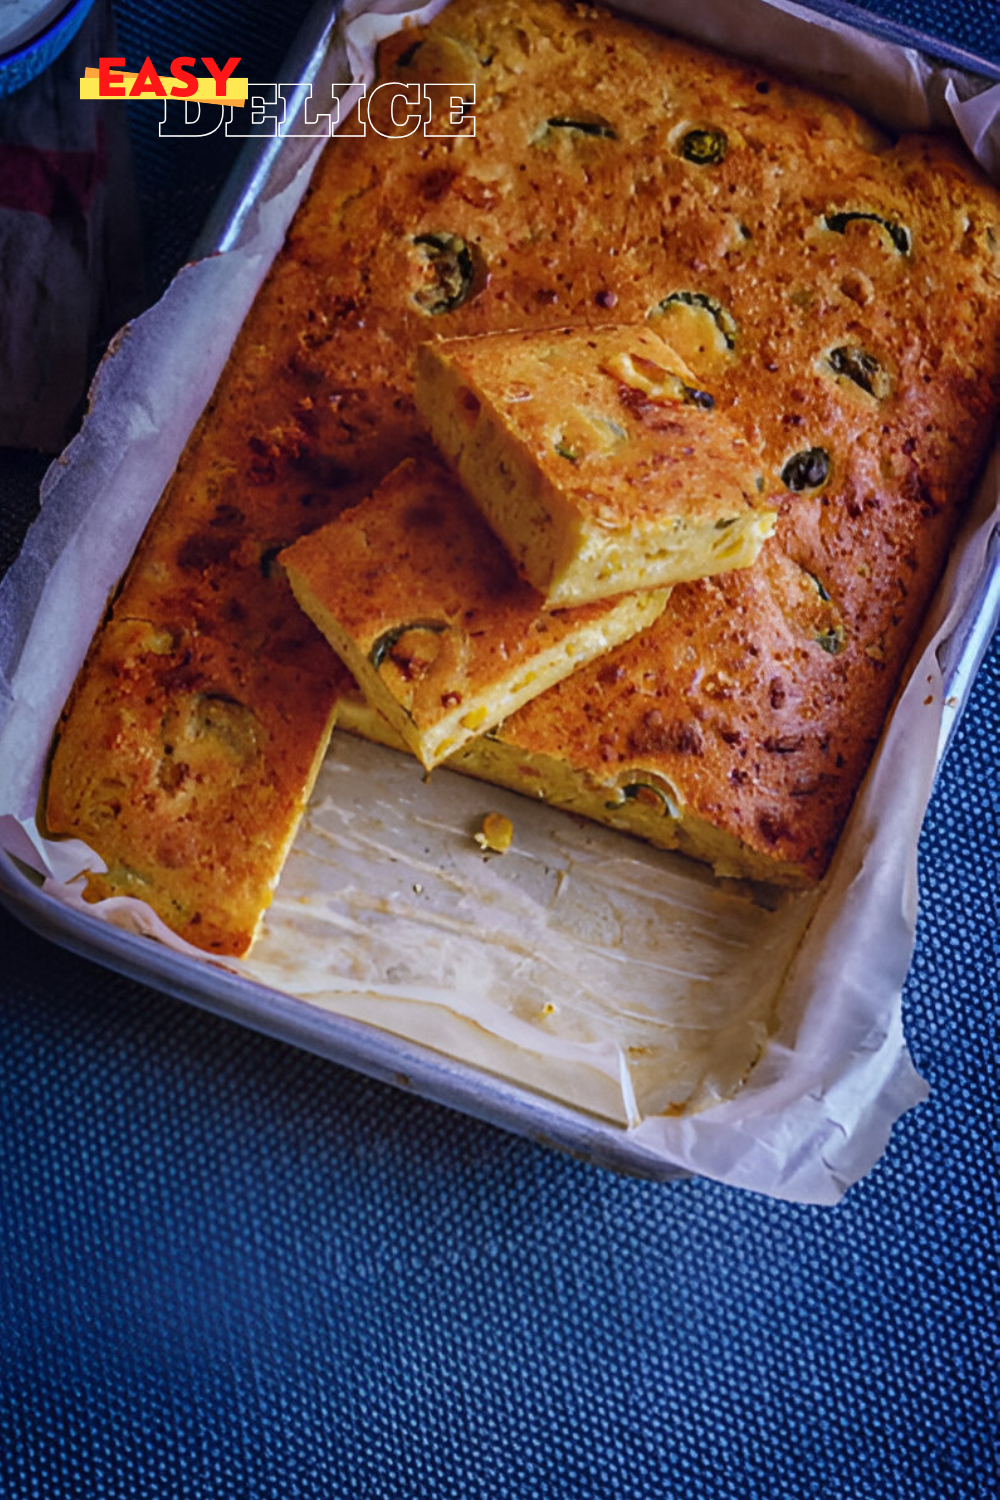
x: 229, y: 1270
x: 973, y: 25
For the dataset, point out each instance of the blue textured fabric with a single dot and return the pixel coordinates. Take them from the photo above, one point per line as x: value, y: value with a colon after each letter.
x: 230, y: 1271
x: 970, y: 24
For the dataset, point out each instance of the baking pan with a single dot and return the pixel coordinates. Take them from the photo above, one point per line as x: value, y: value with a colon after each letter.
x: 375, y: 1052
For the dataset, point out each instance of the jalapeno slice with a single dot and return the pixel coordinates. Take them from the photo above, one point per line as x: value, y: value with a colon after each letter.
x: 695, y: 397
x: 898, y: 233
x: 808, y: 470
x: 451, y: 262
x: 595, y: 126
x: 646, y: 795
x: 383, y: 646
x: 706, y: 148
x: 861, y: 367
x: 832, y: 640
x: 721, y: 316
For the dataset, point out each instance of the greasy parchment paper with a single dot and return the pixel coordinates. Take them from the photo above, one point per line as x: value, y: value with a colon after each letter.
x: 759, y: 1046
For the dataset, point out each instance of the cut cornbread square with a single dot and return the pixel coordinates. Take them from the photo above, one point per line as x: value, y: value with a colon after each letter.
x: 642, y: 740
x: 549, y: 757
x: 422, y: 604
x: 595, y: 457
x: 198, y: 807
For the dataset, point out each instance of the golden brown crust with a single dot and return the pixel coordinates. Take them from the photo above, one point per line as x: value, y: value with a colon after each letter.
x: 732, y: 701
x: 596, y: 456
x: 766, y: 235
x: 604, y: 224
x: 420, y: 600
x: 187, y: 764
x: 651, y: 450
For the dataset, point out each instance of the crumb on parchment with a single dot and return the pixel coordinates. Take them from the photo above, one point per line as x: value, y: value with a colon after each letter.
x: 496, y: 834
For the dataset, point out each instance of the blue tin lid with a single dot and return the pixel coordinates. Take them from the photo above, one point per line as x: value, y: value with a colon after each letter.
x: 35, y: 34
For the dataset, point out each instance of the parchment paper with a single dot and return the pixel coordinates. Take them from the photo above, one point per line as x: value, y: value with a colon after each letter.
x: 622, y: 980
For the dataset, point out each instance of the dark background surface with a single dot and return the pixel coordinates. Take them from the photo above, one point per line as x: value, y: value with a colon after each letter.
x: 228, y: 1269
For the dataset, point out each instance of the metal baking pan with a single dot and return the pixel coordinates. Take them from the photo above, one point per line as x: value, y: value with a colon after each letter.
x: 377, y: 1053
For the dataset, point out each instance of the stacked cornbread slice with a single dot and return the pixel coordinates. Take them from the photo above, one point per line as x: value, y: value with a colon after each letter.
x: 420, y: 599
x: 837, y: 293
x: 596, y: 457
x: 424, y: 607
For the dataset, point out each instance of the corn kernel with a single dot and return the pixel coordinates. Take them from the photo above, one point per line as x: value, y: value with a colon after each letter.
x: 496, y: 834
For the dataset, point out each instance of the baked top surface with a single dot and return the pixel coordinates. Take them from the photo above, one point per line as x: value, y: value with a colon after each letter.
x: 419, y: 596
x: 605, y: 227
x: 729, y: 719
x: 707, y: 177
x: 178, y: 766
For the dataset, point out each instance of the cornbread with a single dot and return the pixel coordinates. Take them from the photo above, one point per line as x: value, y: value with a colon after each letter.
x: 423, y: 606
x: 838, y: 292
x: 617, y: 741
x: 644, y: 740
x: 197, y: 763
x: 595, y: 457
